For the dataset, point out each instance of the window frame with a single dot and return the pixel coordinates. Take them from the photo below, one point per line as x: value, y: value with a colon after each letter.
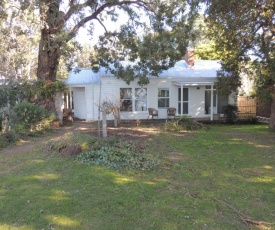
x: 124, y: 100
x: 164, y: 97
x: 137, y: 99
x: 134, y: 99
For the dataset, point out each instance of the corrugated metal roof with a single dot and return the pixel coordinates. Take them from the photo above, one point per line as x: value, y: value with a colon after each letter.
x: 201, y: 69
x: 83, y: 76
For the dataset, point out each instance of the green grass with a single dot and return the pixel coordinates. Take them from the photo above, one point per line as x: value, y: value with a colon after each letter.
x: 203, y: 179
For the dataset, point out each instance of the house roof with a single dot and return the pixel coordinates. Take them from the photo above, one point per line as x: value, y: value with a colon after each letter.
x: 201, y: 69
x: 83, y: 76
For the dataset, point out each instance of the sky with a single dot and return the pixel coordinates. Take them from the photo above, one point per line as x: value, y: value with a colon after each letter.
x: 83, y: 36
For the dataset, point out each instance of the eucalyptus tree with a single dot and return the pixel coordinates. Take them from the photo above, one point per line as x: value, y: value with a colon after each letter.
x: 155, y: 32
x: 244, y: 31
x: 18, y: 40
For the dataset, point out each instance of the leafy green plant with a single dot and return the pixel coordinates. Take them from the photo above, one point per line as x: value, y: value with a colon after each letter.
x: 253, y: 120
x: 183, y: 123
x: 116, y: 158
x: 172, y: 125
x: 8, y: 138
x: 29, y: 114
x: 46, y: 122
x: 116, y: 154
x: 230, y: 113
x: 47, y: 89
x: 112, y: 153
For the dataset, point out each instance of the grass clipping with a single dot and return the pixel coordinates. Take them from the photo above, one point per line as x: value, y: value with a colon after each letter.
x: 110, y: 152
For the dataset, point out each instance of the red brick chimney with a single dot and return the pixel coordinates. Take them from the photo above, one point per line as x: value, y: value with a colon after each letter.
x: 189, y: 58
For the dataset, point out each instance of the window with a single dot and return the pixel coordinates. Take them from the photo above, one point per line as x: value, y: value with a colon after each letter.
x: 136, y: 102
x: 126, y: 99
x: 140, y: 99
x: 163, y: 98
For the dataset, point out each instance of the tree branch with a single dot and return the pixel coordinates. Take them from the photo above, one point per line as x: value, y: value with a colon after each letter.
x: 101, y: 23
x: 243, y: 218
x: 103, y: 7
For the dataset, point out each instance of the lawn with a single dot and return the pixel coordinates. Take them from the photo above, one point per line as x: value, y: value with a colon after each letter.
x: 209, y: 179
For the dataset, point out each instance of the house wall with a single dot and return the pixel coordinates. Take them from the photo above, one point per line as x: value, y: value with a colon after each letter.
x: 86, y: 98
x: 111, y: 91
x: 92, y: 101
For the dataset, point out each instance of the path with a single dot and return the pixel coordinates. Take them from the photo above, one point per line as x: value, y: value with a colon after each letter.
x: 25, y: 146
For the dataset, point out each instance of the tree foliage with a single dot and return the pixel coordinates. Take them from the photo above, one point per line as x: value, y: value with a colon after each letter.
x: 18, y: 40
x: 244, y: 32
x: 207, y: 51
x: 153, y: 33
x: 164, y: 33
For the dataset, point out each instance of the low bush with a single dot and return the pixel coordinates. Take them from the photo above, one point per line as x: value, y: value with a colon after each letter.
x: 183, y: 123
x: 230, y: 113
x: 29, y: 114
x: 46, y: 122
x: 120, y: 155
x: 111, y: 152
x: 253, y: 120
x: 8, y: 138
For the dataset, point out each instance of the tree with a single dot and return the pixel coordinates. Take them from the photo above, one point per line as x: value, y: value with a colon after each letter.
x: 207, y: 51
x: 58, y: 27
x: 18, y: 41
x: 83, y: 56
x: 106, y: 107
x: 244, y: 31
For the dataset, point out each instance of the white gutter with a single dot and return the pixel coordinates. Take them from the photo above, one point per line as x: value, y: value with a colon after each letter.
x: 184, y: 83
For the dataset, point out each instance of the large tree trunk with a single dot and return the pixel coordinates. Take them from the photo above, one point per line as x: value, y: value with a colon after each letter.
x: 48, y: 60
x: 58, y: 99
x: 50, y: 41
x: 272, y: 114
x: 48, y: 56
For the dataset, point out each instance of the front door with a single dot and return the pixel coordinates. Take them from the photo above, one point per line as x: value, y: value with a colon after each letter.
x: 183, y: 94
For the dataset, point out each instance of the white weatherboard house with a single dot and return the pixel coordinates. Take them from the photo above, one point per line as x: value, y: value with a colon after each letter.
x: 189, y: 89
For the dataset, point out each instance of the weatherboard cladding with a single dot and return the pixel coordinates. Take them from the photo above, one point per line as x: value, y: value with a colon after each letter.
x: 201, y: 69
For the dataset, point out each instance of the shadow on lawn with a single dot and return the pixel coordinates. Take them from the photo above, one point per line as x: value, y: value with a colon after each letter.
x: 50, y: 192
x: 69, y: 195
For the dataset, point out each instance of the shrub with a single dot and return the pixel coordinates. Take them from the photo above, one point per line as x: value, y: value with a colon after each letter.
x: 29, y: 114
x: 46, y: 122
x: 115, y: 154
x: 230, y: 113
x: 183, y: 123
x: 3, y: 142
x: 111, y: 152
x: 116, y: 158
x: 253, y: 120
x: 8, y: 138
x: 172, y: 125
